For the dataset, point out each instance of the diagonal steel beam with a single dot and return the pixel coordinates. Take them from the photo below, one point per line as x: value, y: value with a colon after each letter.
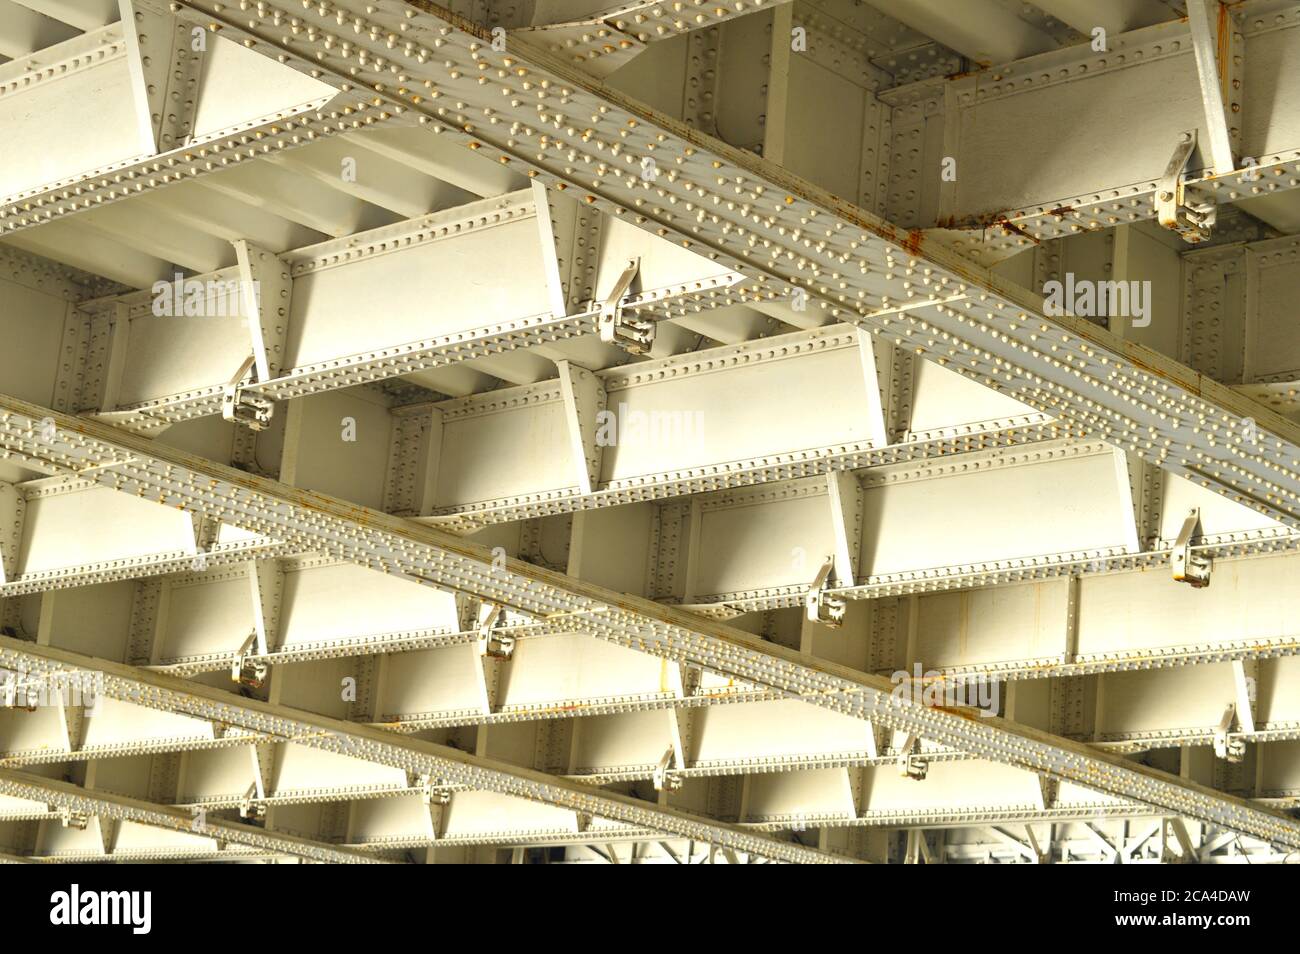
x: 451, y: 766
x: 741, y: 211
x: 65, y: 795
x: 529, y: 110
x: 171, y: 477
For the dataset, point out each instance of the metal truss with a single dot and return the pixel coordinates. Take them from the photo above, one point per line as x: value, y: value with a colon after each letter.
x: 530, y: 108
x: 448, y: 766
x: 208, y: 834
x: 134, y: 465
x: 1137, y: 405
x: 803, y: 238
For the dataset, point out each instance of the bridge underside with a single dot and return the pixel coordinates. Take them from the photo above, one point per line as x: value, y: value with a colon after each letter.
x: 805, y: 431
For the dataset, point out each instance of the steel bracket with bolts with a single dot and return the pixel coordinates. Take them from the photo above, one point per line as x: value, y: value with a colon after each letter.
x: 240, y: 407
x: 249, y: 806
x: 245, y: 669
x: 1187, y: 565
x: 821, y: 605
x: 633, y: 335
x: 910, y: 763
x: 431, y: 792
x: 1192, y: 220
x: 1230, y: 748
x: 70, y: 818
x: 492, y: 642
x: 664, y: 778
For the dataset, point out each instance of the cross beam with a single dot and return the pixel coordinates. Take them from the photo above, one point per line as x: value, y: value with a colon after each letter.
x: 168, y: 476
x: 529, y: 110
x: 65, y: 795
x: 451, y: 766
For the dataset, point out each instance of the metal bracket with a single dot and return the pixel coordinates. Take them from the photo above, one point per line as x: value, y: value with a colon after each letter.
x: 634, y: 335
x: 1230, y: 748
x: 664, y: 778
x: 431, y: 793
x: 692, y: 677
x: 492, y: 643
x: 910, y: 763
x: 1193, y: 222
x: 244, y: 669
x: 821, y: 606
x: 240, y: 407
x: 1190, y: 567
x: 73, y: 819
x: 249, y: 806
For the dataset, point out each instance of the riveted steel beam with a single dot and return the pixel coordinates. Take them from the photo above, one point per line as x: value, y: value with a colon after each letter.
x: 1052, y: 194
x: 107, y: 805
x: 308, y: 327
x: 603, y: 39
x: 752, y: 216
x: 169, y: 694
x: 122, y: 179
x: 171, y: 477
x: 648, y: 20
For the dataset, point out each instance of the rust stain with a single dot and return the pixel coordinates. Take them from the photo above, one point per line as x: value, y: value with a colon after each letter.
x: 1009, y: 226
x: 1061, y: 210
x: 912, y: 242
x: 964, y: 712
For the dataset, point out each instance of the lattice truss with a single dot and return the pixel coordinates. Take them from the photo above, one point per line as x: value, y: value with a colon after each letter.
x: 691, y: 432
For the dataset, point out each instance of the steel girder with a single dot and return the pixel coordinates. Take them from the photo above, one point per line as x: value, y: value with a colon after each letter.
x: 73, y: 798
x: 324, y: 358
x: 650, y: 21
x: 604, y: 39
x: 1122, y: 392
x: 441, y: 763
x: 754, y: 217
x: 1010, y: 195
x: 123, y: 179
x: 134, y: 465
